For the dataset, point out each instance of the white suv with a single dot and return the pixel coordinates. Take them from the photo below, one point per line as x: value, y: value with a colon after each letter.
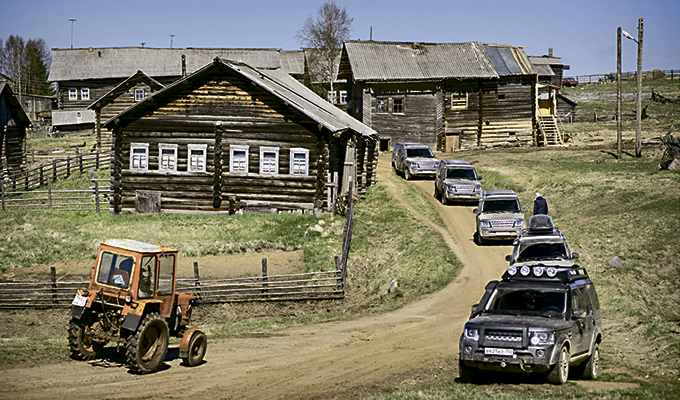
x: 499, y: 216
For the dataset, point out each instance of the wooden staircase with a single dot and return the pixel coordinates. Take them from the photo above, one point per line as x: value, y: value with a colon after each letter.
x: 550, y: 133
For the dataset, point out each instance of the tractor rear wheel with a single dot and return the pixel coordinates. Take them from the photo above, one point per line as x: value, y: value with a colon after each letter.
x: 146, y: 349
x: 197, y: 347
x: 81, y: 344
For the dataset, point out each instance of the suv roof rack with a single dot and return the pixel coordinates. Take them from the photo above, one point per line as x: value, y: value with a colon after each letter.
x: 540, y: 272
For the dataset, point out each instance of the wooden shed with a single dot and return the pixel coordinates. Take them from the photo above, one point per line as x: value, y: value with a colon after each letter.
x: 233, y: 137
x: 13, y: 124
x: 449, y: 96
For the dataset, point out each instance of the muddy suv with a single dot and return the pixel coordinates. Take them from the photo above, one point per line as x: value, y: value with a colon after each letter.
x: 499, y: 216
x: 457, y: 180
x: 537, y: 319
x: 541, y: 243
x: 413, y: 160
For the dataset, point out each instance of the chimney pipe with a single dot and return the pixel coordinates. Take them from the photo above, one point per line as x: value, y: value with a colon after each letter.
x: 184, y: 66
x: 550, y: 51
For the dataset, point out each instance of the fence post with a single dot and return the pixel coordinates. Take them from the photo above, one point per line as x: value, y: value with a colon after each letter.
x: 96, y: 162
x: 26, y: 181
x: 264, y: 274
x: 53, y: 275
x: 49, y: 192
x: 2, y: 192
x: 197, y: 281
x: 32, y: 155
x: 54, y: 169
x: 42, y: 178
x: 80, y: 162
x: 68, y: 166
x: 338, y: 273
x: 96, y: 189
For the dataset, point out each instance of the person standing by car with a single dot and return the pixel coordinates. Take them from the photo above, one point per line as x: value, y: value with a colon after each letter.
x: 540, y: 205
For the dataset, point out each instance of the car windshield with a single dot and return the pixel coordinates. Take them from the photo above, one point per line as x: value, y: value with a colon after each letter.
x: 460, y: 173
x: 500, y: 206
x: 541, y: 251
x: 513, y: 300
x: 419, y: 153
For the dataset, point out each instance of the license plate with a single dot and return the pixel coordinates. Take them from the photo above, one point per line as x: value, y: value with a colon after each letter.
x: 491, y: 351
x: 79, y: 301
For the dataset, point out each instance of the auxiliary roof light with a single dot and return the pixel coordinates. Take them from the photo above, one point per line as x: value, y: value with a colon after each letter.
x: 551, y: 271
x: 525, y: 270
x: 512, y: 270
x: 538, y: 271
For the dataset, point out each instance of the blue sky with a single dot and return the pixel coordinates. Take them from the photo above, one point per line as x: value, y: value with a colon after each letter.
x: 583, y: 33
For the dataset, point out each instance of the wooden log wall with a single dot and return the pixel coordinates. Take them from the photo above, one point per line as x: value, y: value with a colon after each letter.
x: 464, y: 121
x: 417, y: 123
x: 98, y: 88
x: 14, y: 149
x: 507, y: 114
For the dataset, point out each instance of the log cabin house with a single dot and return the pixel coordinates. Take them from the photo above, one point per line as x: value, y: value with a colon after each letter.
x: 449, y: 96
x: 13, y: 125
x: 83, y: 76
x: 232, y: 137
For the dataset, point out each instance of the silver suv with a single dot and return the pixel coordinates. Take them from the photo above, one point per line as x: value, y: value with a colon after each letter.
x: 499, y: 216
x: 413, y: 159
x: 457, y: 180
x: 542, y: 243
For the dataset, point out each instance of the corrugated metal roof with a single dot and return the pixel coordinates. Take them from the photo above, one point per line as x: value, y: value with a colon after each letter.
x: 544, y: 70
x: 122, y: 62
x: 400, y: 61
x: 278, y: 82
x: 536, y: 60
x: 509, y: 60
x: 293, y: 61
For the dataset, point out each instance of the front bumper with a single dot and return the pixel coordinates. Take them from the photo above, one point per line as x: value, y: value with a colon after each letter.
x: 422, y: 172
x: 499, y: 234
x: 523, y: 360
x: 462, y: 196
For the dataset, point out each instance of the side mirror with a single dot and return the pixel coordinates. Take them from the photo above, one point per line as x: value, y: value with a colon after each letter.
x: 525, y: 209
x: 475, y: 210
x: 508, y: 258
x: 479, y: 178
x: 575, y: 255
x: 578, y: 314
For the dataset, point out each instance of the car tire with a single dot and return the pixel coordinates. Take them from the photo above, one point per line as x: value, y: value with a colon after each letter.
x: 407, y: 174
x: 467, y: 374
x: 479, y: 239
x: 590, y: 369
x: 394, y: 168
x: 559, y: 374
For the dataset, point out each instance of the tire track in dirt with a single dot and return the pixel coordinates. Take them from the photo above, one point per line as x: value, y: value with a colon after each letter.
x: 317, y: 361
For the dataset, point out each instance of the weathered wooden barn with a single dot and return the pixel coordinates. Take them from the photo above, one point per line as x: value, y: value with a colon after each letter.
x: 125, y: 95
x: 232, y: 136
x: 83, y: 76
x: 550, y: 68
x: 449, y: 96
x: 13, y: 124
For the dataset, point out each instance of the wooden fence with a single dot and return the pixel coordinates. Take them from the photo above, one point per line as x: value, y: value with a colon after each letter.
x: 60, y: 200
x: 57, y: 169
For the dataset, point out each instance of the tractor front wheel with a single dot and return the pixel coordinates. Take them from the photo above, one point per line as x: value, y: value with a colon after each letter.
x: 80, y: 342
x: 197, y: 346
x: 146, y: 349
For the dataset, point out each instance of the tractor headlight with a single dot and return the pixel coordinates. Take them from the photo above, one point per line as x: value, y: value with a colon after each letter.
x: 128, y: 298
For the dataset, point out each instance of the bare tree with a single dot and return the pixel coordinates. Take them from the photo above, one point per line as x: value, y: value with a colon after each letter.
x: 26, y: 64
x: 13, y: 60
x: 324, y: 35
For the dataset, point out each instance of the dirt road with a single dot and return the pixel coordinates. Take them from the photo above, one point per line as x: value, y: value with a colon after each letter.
x: 315, y: 361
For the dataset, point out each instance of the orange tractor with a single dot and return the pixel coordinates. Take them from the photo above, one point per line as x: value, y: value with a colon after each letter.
x: 131, y: 300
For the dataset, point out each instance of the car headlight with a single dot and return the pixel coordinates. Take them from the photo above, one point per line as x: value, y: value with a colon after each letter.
x: 485, y: 224
x: 451, y: 188
x: 471, y: 334
x: 413, y: 165
x: 541, y: 338
x: 436, y: 164
x: 478, y: 188
x: 519, y: 223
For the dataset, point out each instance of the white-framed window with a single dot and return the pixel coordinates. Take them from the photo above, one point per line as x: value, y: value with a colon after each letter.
x: 197, y: 157
x: 139, y: 156
x: 238, y: 156
x: 73, y: 94
x: 269, y: 160
x: 398, y: 106
x: 167, y: 157
x: 459, y: 101
x: 343, y: 97
x: 139, y: 94
x: 299, y: 161
x: 85, y: 93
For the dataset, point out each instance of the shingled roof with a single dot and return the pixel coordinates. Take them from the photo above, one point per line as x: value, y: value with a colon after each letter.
x: 11, y: 112
x: 123, y: 62
x: 276, y: 81
x: 407, y: 61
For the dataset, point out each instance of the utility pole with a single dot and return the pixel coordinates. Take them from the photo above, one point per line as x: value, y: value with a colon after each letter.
x: 72, y: 21
x: 618, y: 93
x: 171, y: 37
x: 638, y: 105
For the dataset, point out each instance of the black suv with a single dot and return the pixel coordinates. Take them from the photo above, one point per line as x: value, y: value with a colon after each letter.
x: 537, y: 319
